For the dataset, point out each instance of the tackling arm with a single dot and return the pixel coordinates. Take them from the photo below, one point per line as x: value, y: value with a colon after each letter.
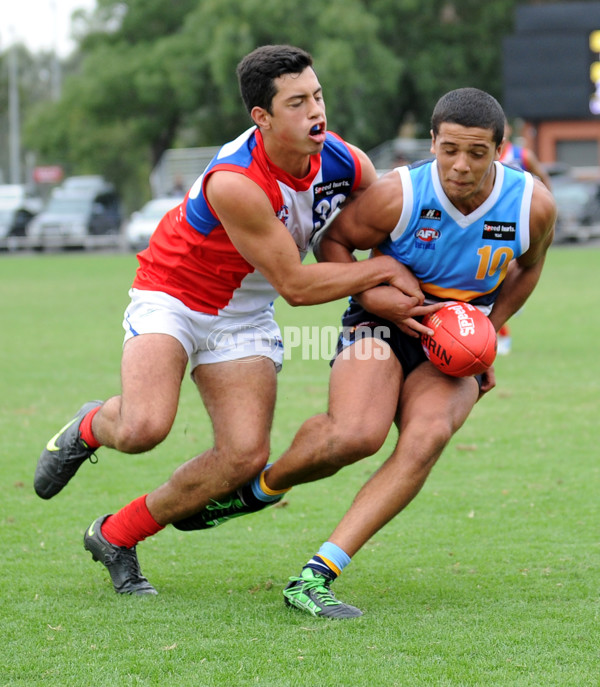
x: 246, y: 213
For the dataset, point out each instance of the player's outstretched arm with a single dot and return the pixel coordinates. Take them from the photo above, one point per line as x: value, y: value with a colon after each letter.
x: 260, y: 237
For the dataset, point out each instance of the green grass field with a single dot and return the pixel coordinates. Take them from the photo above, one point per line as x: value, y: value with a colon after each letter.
x: 491, y: 577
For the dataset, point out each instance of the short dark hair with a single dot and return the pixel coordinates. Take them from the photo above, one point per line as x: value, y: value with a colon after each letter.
x: 469, y: 107
x: 257, y: 71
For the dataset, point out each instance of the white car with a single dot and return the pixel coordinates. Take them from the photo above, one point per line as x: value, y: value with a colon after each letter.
x: 144, y: 221
x: 82, y: 217
x: 17, y: 208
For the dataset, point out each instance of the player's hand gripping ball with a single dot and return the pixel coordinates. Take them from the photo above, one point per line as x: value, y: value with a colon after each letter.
x: 463, y: 341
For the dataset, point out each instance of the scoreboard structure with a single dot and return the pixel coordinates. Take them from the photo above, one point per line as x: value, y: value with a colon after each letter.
x: 551, y: 64
x: 551, y: 76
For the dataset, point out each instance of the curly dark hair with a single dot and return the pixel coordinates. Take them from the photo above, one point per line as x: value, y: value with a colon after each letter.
x: 469, y: 107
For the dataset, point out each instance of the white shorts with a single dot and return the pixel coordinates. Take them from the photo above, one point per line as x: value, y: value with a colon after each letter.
x: 205, y: 338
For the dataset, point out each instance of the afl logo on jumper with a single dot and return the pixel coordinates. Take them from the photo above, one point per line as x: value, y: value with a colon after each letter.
x: 427, y: 234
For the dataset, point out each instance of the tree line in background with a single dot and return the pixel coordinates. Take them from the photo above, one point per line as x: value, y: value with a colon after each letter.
x: 150, y: 75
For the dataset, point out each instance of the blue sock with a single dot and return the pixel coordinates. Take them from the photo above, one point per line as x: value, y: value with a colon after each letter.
x: 330, y: 560
x: 259, y: 493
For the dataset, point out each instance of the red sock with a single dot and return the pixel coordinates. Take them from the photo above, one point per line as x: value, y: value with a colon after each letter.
x: 85, y: 429
x: 130, y: 525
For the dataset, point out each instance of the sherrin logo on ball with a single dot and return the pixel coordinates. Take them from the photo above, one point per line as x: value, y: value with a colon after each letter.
x: 463, y: 341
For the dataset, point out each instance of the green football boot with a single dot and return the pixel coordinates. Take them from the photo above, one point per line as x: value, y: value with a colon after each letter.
x: 311, y: 593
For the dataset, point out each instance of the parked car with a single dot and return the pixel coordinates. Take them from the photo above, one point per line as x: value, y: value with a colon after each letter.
x: 144, y: 221
x: 85, y: 182
x: 578, y: 205
x: 17, y: 209
x: 78, y: 217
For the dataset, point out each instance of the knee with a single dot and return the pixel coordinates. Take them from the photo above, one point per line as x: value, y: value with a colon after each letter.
x: 361, y: 445
x: 138, y: 437
x: 244, y: 461
x: 345, y: 444
x: 432, y: 434
x: 440, y: 431
x: 250, y: 463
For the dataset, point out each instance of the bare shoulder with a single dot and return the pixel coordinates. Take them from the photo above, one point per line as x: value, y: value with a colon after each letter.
x: 383, y: 200
x: 542, y: 218
x: 542, y: 201
x: 237, y: 199
x: 543, y: 210
x: 224, y: 185
x: 372, y: 216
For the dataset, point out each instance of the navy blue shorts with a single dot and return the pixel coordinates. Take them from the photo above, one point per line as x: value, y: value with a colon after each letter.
x: 358, y: 323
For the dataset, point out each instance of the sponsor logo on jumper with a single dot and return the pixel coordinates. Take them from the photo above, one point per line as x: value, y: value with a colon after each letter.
x: 499, y: 231
x: 328, y: 196
x: 331, y: 187
x: 431, y: 213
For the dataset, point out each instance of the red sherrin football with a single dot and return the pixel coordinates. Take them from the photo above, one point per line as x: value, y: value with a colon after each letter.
x: 463, y: 342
